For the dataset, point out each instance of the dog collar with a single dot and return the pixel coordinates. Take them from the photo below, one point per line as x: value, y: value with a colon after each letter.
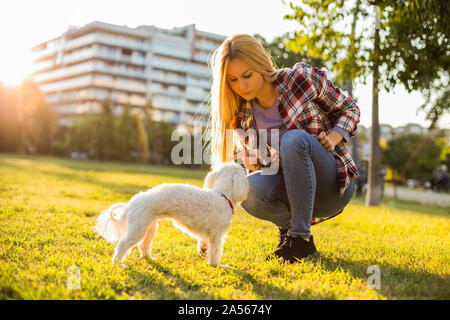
x: 229, y: 202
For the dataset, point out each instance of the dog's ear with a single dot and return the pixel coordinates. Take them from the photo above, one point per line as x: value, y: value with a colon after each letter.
x: 240, y: 186
x: 210, y: 180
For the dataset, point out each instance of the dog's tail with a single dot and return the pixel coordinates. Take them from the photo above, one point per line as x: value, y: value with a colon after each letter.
x: 112, y: 223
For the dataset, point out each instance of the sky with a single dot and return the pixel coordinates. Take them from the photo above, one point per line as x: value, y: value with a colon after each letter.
x: 24, y: 24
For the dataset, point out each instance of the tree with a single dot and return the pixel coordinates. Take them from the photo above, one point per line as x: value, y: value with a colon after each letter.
x: 125, y: 134
x: 416, y: 51
x: 103, y: 135
x: 409, y: 30
x: 400, y: 149
x: 27, y: 122
x: 43, y: 128
x: 79, y: 136
x: 283, y: 56
x: 9, y: 120
x: 30, y: 101
x: 374, y: 187
x: 328, y: 32
x: 144, y: 153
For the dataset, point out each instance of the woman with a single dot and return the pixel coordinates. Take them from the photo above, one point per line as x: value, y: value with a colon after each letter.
x: 309, y: 121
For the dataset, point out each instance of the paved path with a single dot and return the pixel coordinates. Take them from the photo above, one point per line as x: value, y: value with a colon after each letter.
x: 430, y: 197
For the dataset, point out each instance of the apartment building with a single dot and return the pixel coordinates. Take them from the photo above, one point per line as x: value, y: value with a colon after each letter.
x: 130, y: 66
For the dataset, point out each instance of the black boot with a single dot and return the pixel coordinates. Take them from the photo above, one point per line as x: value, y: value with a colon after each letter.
x: 282, y: 235
x: 295, y: 248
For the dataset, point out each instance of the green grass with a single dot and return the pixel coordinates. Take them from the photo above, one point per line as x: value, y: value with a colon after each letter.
x: 48, y: 207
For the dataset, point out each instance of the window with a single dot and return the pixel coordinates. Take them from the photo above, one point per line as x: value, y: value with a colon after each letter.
x: 126, y: 52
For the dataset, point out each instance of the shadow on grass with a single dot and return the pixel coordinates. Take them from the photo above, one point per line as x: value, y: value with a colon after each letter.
x: 395, y: 283
x: 120, y: 188
x: 412, y: 206
x: 184, y: 287
x: 113, y: 166
x: 124, y: 189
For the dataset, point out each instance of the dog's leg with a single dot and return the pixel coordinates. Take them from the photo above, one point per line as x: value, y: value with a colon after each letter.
x: 122, y: 250
x: 134, y: 235
x: 202, y: 247
x: 145, y: 246
x: 215, y: 249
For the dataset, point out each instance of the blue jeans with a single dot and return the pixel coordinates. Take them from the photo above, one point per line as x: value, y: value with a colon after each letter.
x: 306, y: 186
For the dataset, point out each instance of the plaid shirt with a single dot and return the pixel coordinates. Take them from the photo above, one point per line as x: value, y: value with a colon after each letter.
x: 308, y: 101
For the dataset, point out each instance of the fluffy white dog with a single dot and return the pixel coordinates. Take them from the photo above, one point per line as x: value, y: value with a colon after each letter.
x: 205, y: 214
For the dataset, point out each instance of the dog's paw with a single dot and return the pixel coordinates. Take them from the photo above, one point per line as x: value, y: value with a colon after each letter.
x: 223, y: 266
x: 149, y: 258
x: 202, y: 252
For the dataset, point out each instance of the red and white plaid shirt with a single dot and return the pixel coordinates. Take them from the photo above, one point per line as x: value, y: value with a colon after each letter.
x: 308, y: 101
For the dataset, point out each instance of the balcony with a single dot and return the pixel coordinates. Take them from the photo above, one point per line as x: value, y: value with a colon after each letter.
x: 87, y: 40
x: 181, y: 51
x: 170, y: 64
x: 199, y: 83
x: 77, y: 96
x: 120, y: 84
x: 89, y: 67
x: 68, y: 84
x: 197, y: 94
x: 201, y: 57
x: 80, y: 108
x: 96, y: 80
x: 200, y: 70
x: 111, y: 40
x: 206, y: 45
x: 167, y: 78
x: 179, y: 105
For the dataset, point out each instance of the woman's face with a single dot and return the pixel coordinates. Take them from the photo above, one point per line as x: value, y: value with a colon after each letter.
x: 244, y: 80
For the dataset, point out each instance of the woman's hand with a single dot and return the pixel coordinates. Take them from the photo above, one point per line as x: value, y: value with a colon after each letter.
x: 329, y: 141
x: 251, y: 162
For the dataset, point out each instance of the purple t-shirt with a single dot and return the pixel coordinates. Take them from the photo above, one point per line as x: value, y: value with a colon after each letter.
x: 268, y: 118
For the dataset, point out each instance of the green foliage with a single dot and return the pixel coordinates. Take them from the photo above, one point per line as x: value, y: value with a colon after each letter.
x: 445, y: 156
x: 283, y: 56
x: 126, y: 135
x: 27, y: 122
x: 48, y: 207
x: 161, y: 144
x: 9, y: 121
x: 328, y: 33
x: 43, y: 128
x: 103, y: 133
x: 414, y: 43
x: 416, y: 51
x: 422, y: 166
x: 79, y: 137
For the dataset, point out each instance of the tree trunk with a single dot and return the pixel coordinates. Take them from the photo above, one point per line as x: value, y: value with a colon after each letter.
x: 373, y: 197
x: 355, y: 146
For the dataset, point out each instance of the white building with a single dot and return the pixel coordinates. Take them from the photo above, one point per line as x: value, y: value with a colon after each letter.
x: 86, y: 65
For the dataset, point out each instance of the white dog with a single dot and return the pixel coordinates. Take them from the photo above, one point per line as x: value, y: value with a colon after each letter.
x: 205, y: 214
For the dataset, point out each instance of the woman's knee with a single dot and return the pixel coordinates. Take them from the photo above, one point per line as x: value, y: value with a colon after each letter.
x: 295, y: 140
x: 259, y: 207
x: 255, y: 192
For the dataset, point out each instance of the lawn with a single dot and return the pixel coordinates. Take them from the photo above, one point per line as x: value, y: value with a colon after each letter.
x: 48, y: 249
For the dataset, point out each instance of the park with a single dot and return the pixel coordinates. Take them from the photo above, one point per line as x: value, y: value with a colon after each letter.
x: 100, y: 111
x: 49, y: 206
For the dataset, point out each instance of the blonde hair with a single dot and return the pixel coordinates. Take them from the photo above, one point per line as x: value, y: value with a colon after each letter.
x: 224, y: 101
